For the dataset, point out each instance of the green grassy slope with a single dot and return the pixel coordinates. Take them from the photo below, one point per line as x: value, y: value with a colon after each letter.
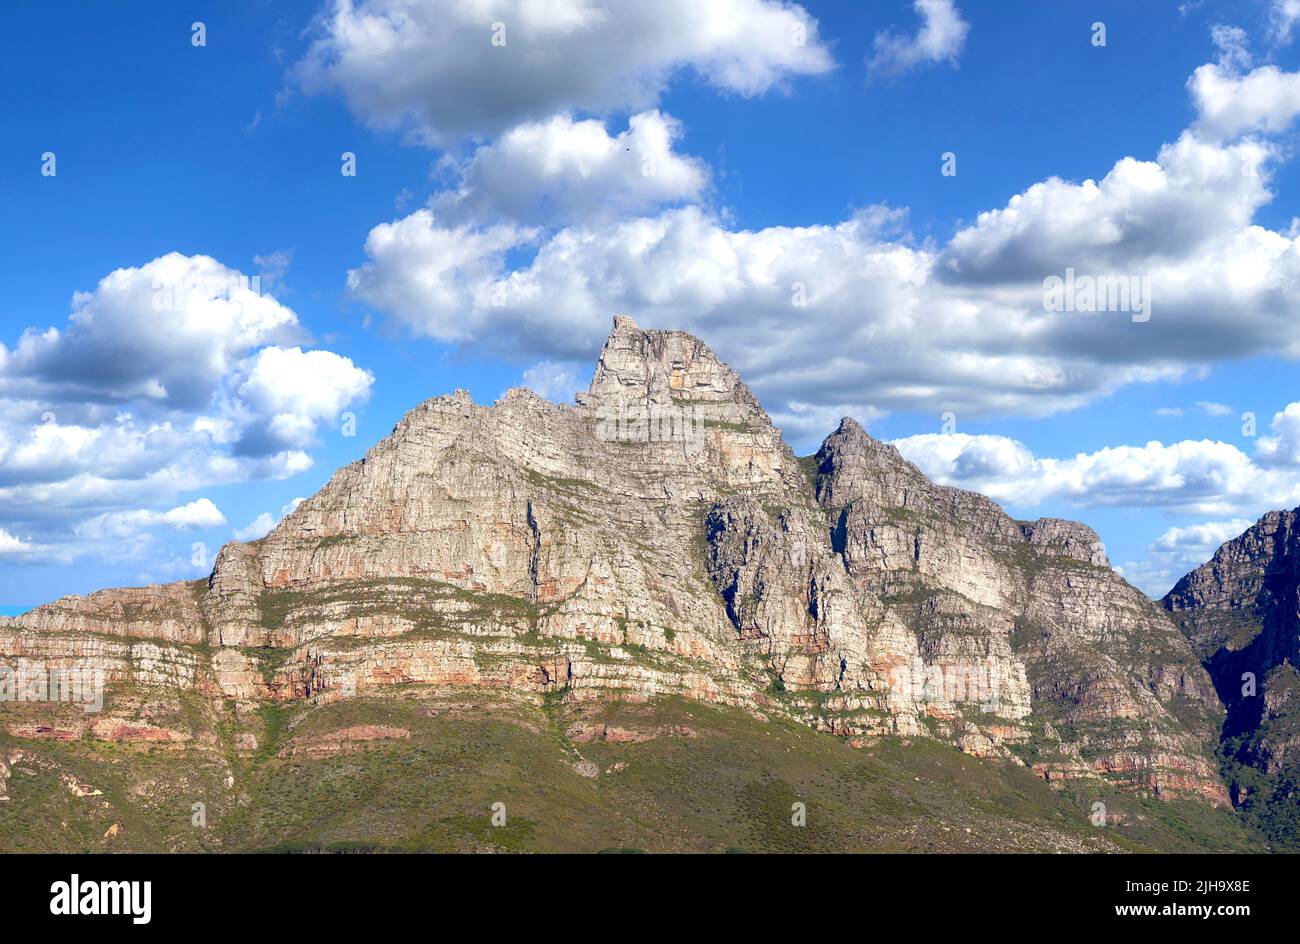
x: 707, y: 779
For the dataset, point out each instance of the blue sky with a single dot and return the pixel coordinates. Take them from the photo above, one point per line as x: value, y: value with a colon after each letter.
x: 502, y: 211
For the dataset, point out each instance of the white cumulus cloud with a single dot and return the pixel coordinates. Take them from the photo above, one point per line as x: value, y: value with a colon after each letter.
x: 196, y: 515
x: 163, y: 334
x: 1230, y: 103
x: 1203, y: 477
x: 446, y: 71
x: 283, y: 394
x: 562, y: 171
x: 940, y: 38
x: 167, y: 378
x: 13, y: 546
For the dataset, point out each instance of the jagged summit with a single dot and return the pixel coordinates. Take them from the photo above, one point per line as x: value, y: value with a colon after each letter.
x: 665, y: 368
x: 867, y: 465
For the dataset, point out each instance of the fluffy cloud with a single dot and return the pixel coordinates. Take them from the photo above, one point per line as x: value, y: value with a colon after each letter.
x: 756, y: 296
x: 282, y: 394
x: 1282, y: 447
x: 1179, y: 550
x: 1140, y: 218
x: 162, y: 334
x: 11, y: 546
x: 196, y: 515
x: 940, y: 37
x: 200, y: 513
x: 563, y: 171
x: 1202, y: 477
x: 1230, y: 100
x: 438, y: 279
x: 168, y: 377
x: 99, y: 493
x: 52, y: 471
x: 851, y: 313
x: 1229, y: 103
x: 1197, y: 543
x: 434, y: 67
x: 133, y: 534
x: 1283, y: 17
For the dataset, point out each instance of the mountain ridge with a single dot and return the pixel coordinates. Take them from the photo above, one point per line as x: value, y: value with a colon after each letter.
x: 658, y: 539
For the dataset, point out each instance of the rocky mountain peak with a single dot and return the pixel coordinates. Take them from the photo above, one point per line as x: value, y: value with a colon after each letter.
x: 1247, y: 575
x: 662, y: 367
x: 862, y: 464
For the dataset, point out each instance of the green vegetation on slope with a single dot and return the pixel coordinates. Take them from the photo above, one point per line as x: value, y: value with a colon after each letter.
x: 702, y: 778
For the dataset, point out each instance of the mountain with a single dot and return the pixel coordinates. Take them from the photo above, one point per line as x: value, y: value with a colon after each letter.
x: 1241, y: 611
x: 638, y: 621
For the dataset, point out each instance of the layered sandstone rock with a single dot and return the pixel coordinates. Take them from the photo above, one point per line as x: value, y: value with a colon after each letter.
x: 1026, y: 622
x: 659, y: 537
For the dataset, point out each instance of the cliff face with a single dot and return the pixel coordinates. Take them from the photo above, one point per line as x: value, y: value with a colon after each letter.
x: 1241, y: 611
x: 1077, y: 671
x: 660, y: 539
